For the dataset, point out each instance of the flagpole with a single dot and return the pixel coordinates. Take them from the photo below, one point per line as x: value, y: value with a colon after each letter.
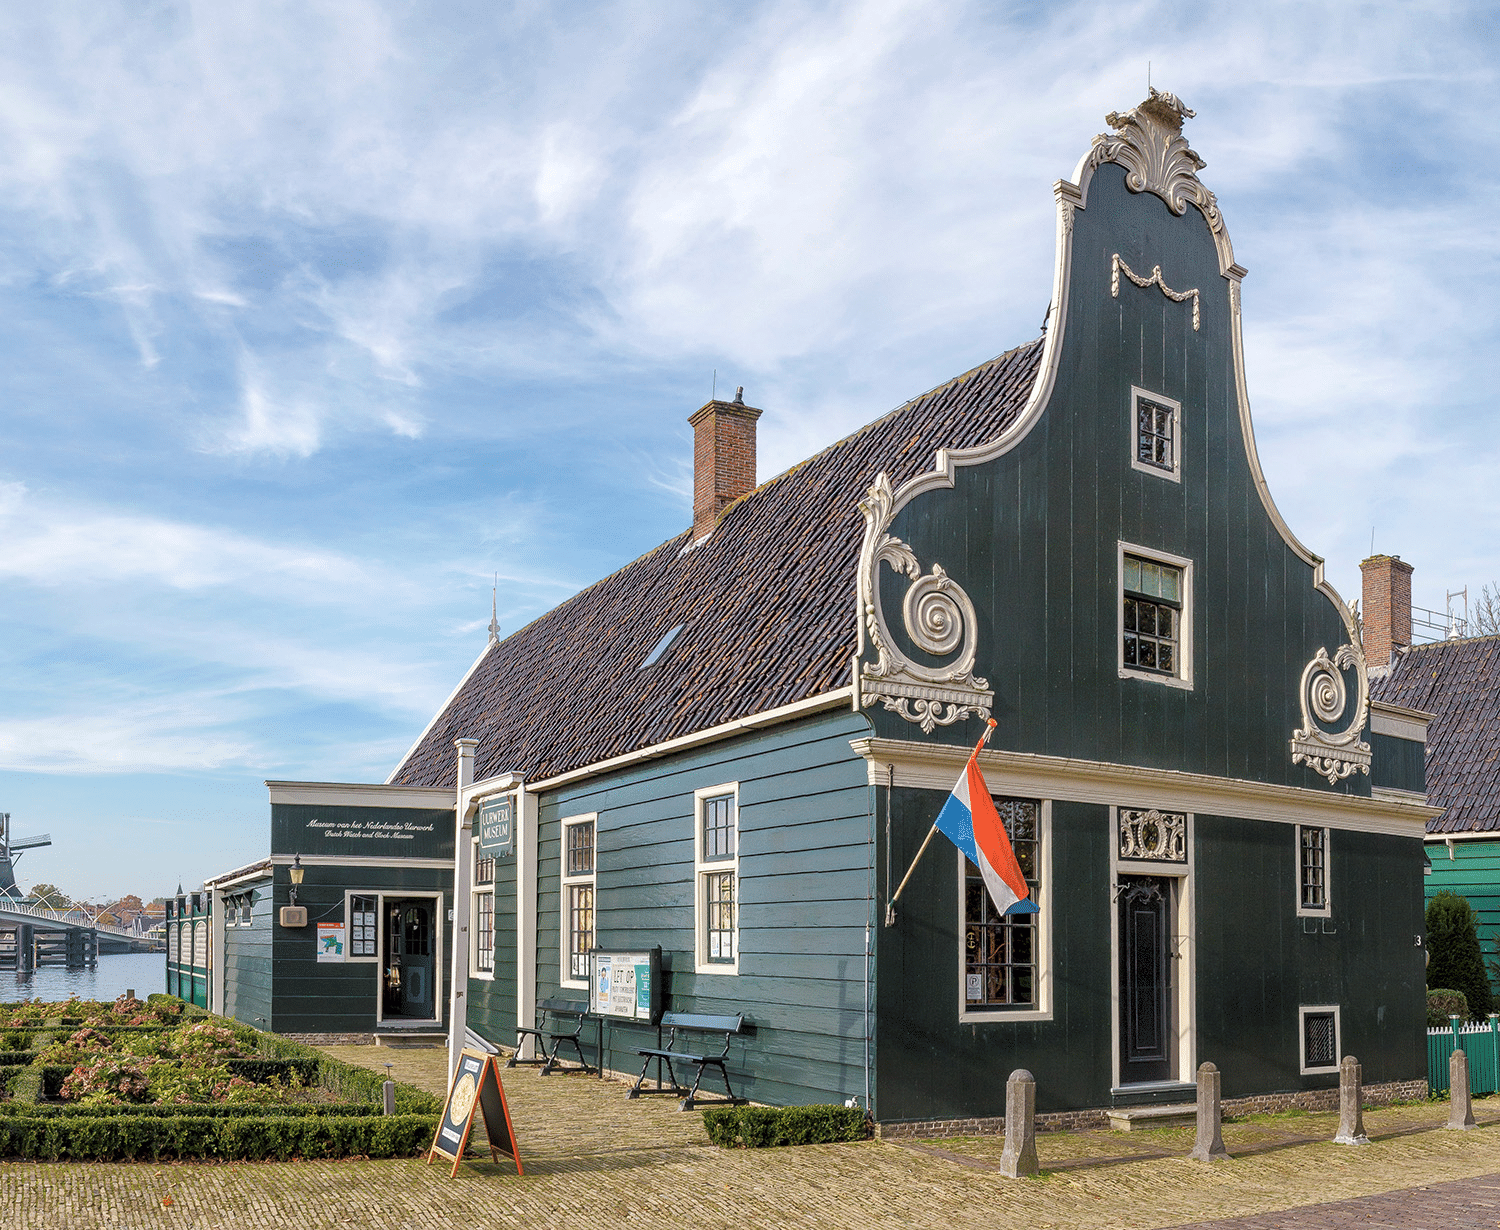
x: 890, y: 905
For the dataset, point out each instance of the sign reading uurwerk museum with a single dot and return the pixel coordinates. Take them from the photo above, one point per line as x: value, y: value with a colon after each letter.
x: 365, y: 832
x: 496, y: 832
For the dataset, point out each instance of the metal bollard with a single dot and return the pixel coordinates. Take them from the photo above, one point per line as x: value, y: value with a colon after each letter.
x: 1018, y: 1159
x: 1209, y: 1145
x: 1461, y: 1103
x: 1351, y: 1104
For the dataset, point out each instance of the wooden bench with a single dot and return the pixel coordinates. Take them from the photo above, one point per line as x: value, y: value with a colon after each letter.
x: 550, y: 1040
x: 694, y: 1026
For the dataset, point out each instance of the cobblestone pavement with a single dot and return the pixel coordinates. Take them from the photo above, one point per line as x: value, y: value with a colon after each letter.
x: 593, y: 1158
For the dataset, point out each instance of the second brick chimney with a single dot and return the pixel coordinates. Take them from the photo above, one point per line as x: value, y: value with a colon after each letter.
x: 1387, y: 608
x: 723, y: 458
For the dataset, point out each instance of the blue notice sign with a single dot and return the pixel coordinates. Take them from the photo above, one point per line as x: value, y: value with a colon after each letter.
x: 496, y: 827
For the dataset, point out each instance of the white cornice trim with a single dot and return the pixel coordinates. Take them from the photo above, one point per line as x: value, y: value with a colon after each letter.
x: 935, y: 766
x: 441, y: 709
x: 364, y: 860
x: 359, y: 794
x: 1440, y: 839
x: 1397, y: 795
x: 712, y: 734
x: 1398, y: 727
x: 1413, y: 715
x: 255, y: 871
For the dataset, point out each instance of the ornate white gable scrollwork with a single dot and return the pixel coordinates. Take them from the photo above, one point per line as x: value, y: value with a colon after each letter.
x: 1118, y: 266
x: 1325, y: 702
x: 1149, y: 144
x: 1153, y: 836
x: 938, y: 617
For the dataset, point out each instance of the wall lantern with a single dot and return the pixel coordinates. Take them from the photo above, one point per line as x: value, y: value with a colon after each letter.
x: 295, y: 915
x: 297, y: 874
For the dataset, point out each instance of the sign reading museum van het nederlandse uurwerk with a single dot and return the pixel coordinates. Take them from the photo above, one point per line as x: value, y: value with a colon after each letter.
x: 365, y: 832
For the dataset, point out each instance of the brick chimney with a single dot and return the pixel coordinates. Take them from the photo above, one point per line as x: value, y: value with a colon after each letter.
x: 1387, y: 608
x: 723, y: 458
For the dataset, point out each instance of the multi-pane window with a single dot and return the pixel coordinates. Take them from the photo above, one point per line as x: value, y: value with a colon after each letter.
x: 1312, y: 877
x: 716, y: 847
x: 1000, y: 950
x: 1155, y: 434
x: 1152, y: 616
x: 231, y: 911
x: 362, y: 926
x: 579, y: 840
x: 245, y: 918
x: 484, y: 933
x: 484, y: 867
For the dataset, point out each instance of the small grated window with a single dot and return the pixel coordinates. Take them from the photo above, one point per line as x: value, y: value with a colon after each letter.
x: 1319, y: 1040
x: 661, y: 647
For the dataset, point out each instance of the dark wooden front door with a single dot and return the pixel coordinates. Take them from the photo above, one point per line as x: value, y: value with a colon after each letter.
x: 1145, y: 979
x: 410, y: 960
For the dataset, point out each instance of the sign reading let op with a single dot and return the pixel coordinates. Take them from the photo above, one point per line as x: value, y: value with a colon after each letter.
x: 496, y: 827
x: 626, y: 985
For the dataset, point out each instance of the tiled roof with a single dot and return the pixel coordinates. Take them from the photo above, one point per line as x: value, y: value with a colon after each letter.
x: 1459, y: 682
x: 767, y: 604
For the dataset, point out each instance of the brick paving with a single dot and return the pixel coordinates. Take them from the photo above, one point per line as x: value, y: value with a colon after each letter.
x: 593, y: 1158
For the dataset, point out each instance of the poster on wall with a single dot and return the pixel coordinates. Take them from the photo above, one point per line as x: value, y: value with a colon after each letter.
x: 626, y: 985
x: 330, y: 941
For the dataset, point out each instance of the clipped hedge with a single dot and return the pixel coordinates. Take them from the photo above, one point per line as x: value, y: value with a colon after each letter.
x: 763, y: 1127
x: 103, y: 1138
x: 167, y: 1110
x: 347, y: 1081
x: 1443, y: 1003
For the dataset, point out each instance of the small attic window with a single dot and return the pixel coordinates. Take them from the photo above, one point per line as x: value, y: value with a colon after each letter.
x: 660, y: 648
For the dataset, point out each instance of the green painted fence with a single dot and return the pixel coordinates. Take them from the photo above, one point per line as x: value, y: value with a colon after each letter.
x: 1481, y: 1042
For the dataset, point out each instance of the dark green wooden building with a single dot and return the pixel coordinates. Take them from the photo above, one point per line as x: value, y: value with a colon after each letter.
x: 733, y: 748
x: 344, y: 931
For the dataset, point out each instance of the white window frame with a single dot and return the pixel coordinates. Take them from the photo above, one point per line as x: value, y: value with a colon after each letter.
x: 478, y: 891
x: 349, y: 957
x: 439, y: 970
x: 1326, y: 909
x: 1184, y: 678
x: 702, y: 870
x: 1043, y: 1009
x: 565, y: 975
x: 1137, y: 395
x: 1338, y: 1037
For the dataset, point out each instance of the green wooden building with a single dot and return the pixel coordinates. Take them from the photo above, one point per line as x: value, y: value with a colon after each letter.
x: 343, y: 932
x: 733, y: 748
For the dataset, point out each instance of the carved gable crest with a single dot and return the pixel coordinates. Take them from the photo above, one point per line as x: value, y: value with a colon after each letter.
x: 1149, y: 144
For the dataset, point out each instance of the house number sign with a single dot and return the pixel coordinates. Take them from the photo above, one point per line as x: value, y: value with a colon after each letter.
x: 1153, y: 836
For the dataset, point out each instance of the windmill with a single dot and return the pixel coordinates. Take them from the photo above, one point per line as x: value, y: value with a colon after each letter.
x: 10, y: 852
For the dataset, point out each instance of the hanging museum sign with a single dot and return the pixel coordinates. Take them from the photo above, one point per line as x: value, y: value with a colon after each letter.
x: 496, y: 827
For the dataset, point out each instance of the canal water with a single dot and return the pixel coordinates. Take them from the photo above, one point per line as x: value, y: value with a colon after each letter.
x: 142, y: 972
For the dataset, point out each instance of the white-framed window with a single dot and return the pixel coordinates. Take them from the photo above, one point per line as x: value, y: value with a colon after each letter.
x: 716, y: 878
x: 1004, y: 960
x: 482, y: 917
x: 1312, y: 871
x: 1155, y: 601
x: 246, y: 906
x: 1155, y: 434
x: 231, y: 911
x: 363, y: 912
x: 579, y: 859
x: 200, y: 944
x: 1319, y: 1037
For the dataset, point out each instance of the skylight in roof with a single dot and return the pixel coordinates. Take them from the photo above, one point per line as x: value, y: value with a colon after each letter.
x: 661, y: 647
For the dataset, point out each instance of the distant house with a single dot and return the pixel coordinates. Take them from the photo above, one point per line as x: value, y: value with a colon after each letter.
x: 1451, y: 688
x: 733, y: 748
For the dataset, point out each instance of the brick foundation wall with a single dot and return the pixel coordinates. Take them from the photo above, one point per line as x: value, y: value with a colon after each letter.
x: 1078, y: 1120
x: 331, y: 1039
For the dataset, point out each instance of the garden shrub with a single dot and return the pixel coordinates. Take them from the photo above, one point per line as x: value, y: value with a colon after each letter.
x: 106, y: 1079
x: 1453, y: 944
x: 1443, y: 1003
x: 761, y: 1127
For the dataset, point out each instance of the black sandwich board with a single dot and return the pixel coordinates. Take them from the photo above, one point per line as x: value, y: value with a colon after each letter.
x: 476, y: 1083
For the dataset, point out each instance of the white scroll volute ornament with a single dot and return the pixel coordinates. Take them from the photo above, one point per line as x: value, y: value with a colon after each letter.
x: 938, y: 617
x: 1325, y: 701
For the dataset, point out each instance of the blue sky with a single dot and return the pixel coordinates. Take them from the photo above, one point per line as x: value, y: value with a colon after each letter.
x: 319, y: 316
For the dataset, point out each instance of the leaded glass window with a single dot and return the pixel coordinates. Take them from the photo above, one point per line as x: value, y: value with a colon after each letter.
x: 719, y: 886
x: 1313, y: 878
x: 579, y: 927
x: 718, y: 828
x: 484, y: 932
x: 1155, y: 435
x: 1152, y: 623
x: 1000, y: 950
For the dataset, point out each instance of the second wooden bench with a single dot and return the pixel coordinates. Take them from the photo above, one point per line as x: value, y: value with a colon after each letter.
x: 704, y: 1031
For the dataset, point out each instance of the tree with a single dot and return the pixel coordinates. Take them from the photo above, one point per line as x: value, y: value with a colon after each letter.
x: 1484, y: 616
x: 51, y: 896
x: 1453, y: 945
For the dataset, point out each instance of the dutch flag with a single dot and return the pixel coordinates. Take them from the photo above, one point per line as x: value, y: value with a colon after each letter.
x: 969, y: 820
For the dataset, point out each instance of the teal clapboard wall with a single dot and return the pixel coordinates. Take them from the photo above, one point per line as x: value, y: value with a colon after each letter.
x: 247, y: 960
x: 1032, y: 535
x: 804, y: 833
x: 1472, y: 871
x: 492, y: 1001
x: 309, y: 996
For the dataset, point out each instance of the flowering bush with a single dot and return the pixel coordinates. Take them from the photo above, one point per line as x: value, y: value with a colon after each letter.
x: 79, y: 1044
x: 106, y: 1081
x: 204, y: 1042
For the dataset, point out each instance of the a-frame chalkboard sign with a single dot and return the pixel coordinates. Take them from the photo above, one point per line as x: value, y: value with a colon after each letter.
x: 475, y: 1083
